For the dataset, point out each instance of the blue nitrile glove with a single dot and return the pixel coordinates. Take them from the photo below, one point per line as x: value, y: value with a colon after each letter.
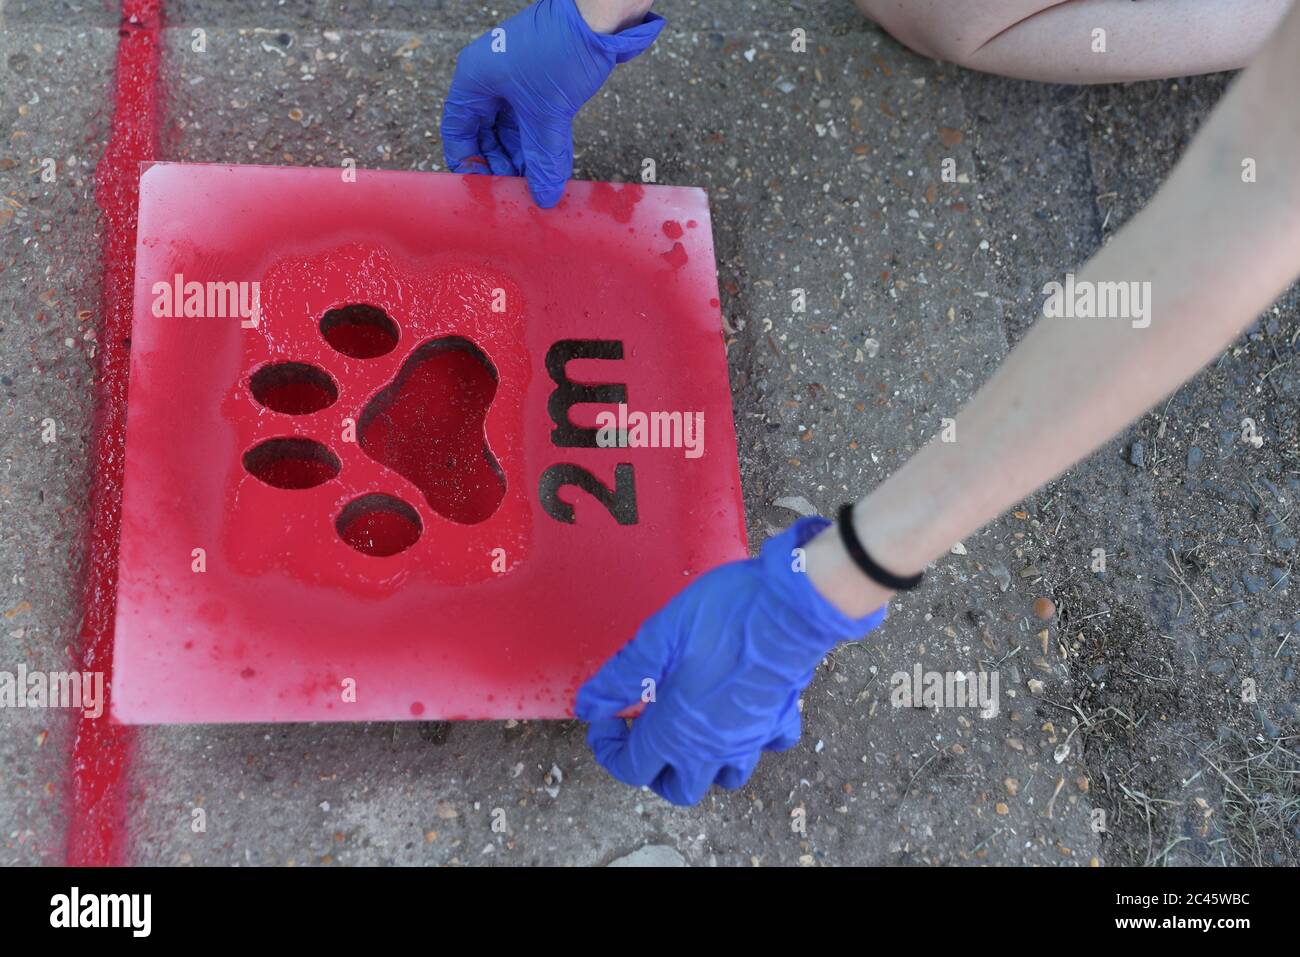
x: 728, y: 657
x: 517, y: 88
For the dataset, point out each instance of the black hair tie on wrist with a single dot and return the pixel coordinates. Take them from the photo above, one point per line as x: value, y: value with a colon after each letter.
x: 860, y: 557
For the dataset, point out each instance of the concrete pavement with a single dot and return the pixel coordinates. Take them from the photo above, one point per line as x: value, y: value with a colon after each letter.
x: 823, y: 174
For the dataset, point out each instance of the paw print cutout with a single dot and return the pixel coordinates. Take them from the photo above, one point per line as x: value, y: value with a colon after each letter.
x: 427, y: 425
x: 377, y: 423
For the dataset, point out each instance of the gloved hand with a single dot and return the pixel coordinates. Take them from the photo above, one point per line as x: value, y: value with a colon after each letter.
x: 728, y: 657
x: 517, y: 88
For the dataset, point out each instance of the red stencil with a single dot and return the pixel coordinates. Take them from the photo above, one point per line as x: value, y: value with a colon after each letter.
x: 403, y: 445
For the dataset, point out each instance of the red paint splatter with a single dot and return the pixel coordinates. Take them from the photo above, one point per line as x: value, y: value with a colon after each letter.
x: 619, y: 203
x: 714, y: 303
x: 417, y: 708
x: 676, y: 257
x: 691, y: 224
x: 482, y: 189
x: 101, y: 750
x: 673, y: 229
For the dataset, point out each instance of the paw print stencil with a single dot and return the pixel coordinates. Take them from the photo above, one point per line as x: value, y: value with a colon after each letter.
x: 367, y: 506
x: 380, y: 406
x: 427, y: 425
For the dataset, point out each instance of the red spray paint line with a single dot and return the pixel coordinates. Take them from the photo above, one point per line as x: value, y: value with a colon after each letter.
x: 101, y: 750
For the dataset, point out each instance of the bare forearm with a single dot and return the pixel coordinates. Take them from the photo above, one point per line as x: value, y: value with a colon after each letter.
x: 1215, y: 250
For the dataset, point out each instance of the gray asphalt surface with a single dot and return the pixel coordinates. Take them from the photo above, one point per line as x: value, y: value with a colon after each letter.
x: 823, y: 174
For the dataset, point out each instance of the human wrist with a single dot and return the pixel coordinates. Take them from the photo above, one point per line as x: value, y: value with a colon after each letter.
x: 892, y: 537
x: 810, y: 619
x: 835, y: 576
x: 611, y: 16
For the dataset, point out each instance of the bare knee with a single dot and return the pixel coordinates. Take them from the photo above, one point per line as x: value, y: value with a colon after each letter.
x: 899, y: 19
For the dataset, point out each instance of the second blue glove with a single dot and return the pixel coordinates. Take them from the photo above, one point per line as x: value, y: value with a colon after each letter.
x: 726, y: 660
x: 517, y: 88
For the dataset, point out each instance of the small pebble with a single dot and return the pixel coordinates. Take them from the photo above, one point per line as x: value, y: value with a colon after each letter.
x: 797, y: 504
x: 1045, y: 608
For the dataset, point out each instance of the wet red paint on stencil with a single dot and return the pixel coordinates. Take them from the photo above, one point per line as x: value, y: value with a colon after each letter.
x: 394, y: 474
x: 101, y: 749
x: 676, y: 257
x: 617, y: 201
